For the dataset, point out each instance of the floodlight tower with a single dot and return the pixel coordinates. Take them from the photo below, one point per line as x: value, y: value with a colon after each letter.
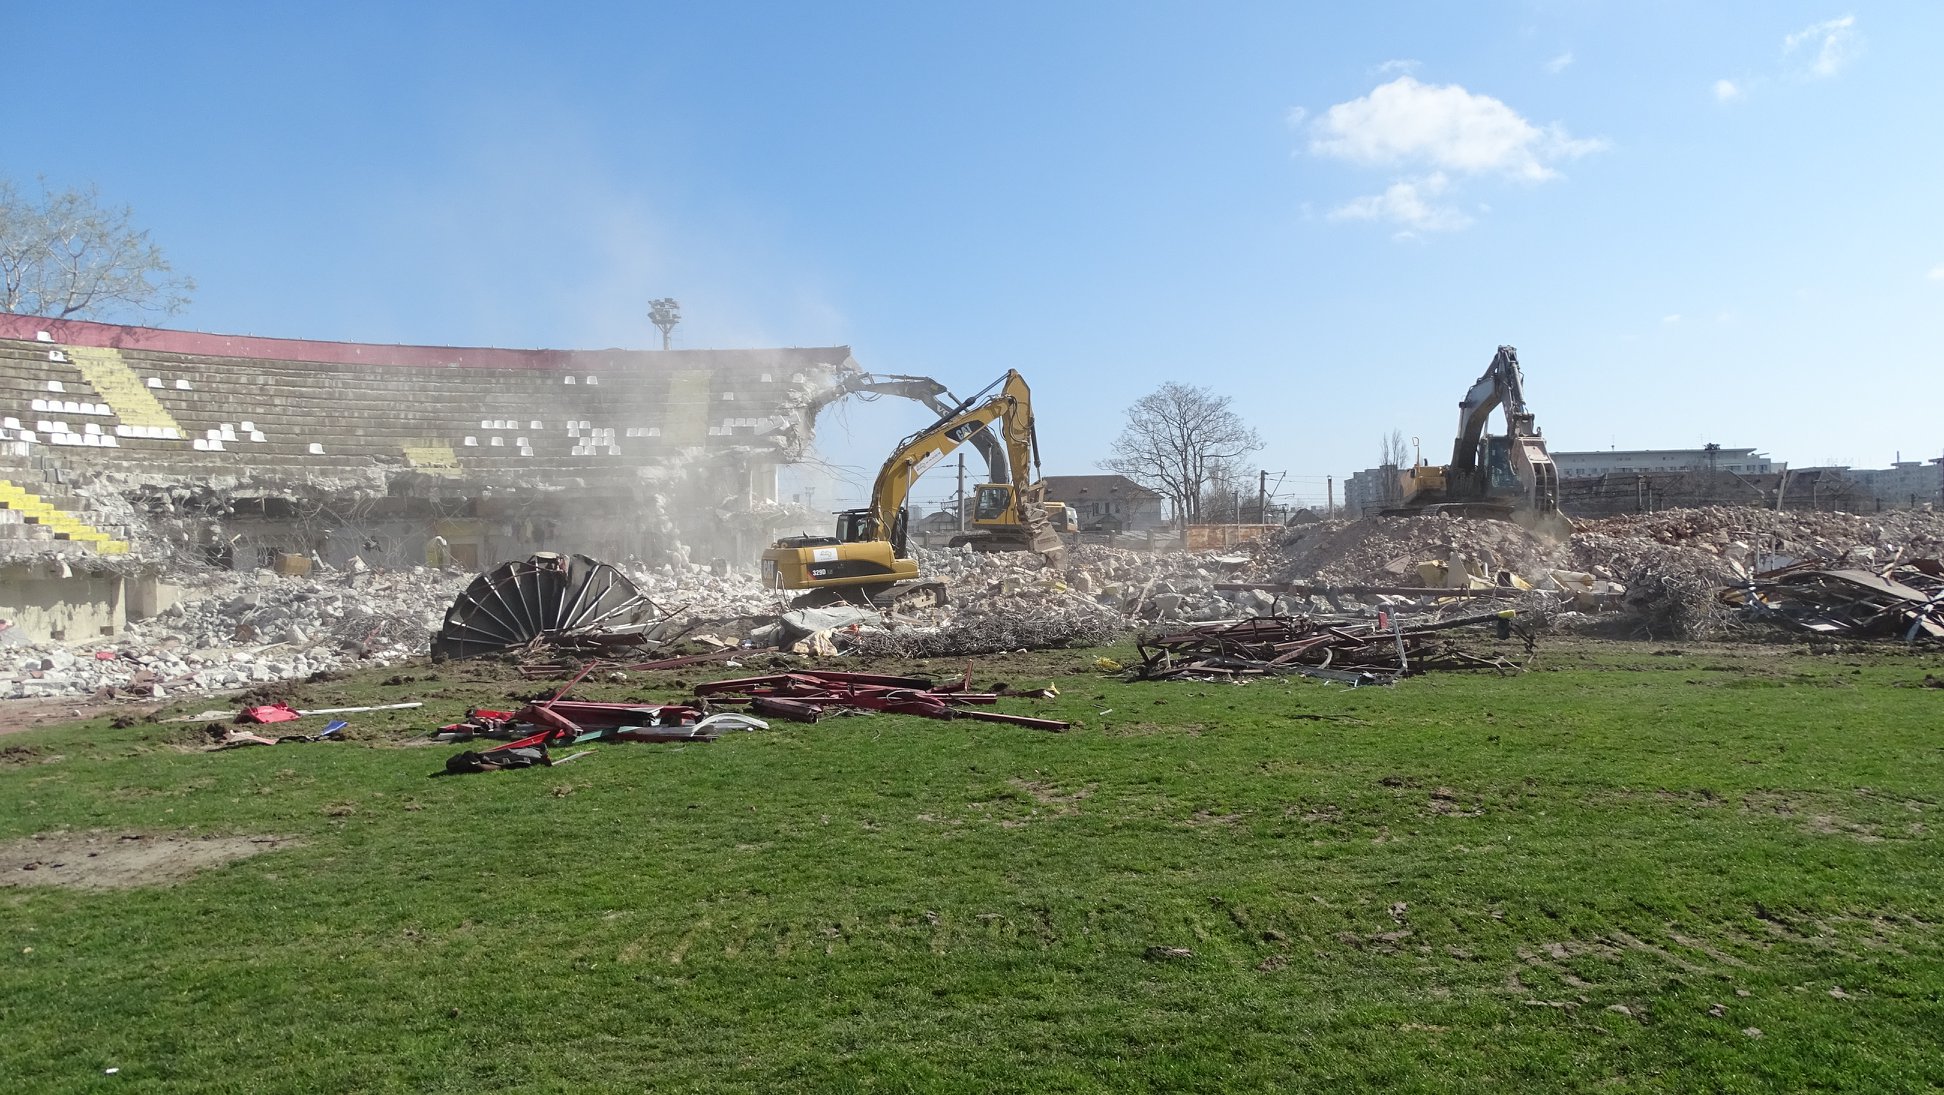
x: 665, y: 313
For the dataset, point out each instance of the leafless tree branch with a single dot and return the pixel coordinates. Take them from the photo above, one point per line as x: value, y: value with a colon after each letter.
x: 66, y: 255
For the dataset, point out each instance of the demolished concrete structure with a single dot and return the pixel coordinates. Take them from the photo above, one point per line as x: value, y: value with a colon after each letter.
x: 231, y: 450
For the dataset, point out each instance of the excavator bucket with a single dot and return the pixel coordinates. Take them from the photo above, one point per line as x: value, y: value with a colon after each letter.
x: 1040, y: 537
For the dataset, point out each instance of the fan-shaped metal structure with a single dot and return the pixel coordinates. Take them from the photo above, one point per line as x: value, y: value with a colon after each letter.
x: 546, y: 598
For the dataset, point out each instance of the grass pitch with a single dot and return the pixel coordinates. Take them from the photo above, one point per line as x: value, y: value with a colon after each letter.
x: 1704, y: 869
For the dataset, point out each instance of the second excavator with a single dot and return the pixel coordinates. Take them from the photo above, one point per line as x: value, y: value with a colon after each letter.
x: 1507, y: 475
x: 868, y: 561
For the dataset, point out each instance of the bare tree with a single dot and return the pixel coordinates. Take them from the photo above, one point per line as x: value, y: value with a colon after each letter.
x: 1396, y: 451
x: 665, y: 313
x: 66, y: 255
x: 1396, y: 455
x: 1176, y: 437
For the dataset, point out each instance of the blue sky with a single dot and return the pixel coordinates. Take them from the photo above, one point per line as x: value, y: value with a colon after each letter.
x: 1698, y: 222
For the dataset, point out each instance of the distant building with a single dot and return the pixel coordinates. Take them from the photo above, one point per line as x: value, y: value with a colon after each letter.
x: 1106, y: 503
x: 1578, y: 465
x: 945, y: 520
x: 1369, y: 491
x: 1902, y: 485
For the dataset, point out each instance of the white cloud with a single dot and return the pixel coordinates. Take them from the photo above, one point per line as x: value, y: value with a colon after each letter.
x: 1835, y: 41
x: 1675, y: 318
x: 1443, y: 128
x: 1727, y: 91
x: 1409, y: 204
x: 1389, y: 67
x: 1936, y: 272
x: 1295, y: 116
x: 1558, y: 64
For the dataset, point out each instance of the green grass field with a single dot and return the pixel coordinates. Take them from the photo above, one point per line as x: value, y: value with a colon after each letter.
x: 1716, y: 869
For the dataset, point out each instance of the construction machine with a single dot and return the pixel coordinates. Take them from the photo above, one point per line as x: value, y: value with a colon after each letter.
x: 995, y: 518
x: 1505, y: 475
x: 867, y: 560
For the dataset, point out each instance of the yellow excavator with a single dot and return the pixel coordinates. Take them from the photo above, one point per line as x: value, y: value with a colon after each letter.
x: 1509, y: 476
x: 867, y: 561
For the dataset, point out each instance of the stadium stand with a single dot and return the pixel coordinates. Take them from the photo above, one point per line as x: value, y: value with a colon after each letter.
x: 154, y: 413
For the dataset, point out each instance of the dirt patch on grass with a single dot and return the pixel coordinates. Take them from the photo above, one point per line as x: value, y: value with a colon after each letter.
x: 116, y: 861
x: 1052, y: 797
x: 1446, y: 802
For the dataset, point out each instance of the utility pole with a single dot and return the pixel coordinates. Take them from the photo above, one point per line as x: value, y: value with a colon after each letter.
x: 1329, y: 504
x: 1262, y: 498
x: 961, y: 492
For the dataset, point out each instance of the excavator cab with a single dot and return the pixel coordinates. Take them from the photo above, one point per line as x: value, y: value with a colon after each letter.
x: 854, y: 526
x: 992, y: 504
x: 1501, y: 478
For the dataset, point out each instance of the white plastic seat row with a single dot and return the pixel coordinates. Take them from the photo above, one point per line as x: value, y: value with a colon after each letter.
x: 154, y: 433
x: 94, y: 440
x: 70, y: 406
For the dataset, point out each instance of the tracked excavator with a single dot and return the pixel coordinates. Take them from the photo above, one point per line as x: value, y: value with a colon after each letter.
x: 1508, y: 476
x: 867, y: 561
x: 995, y: 517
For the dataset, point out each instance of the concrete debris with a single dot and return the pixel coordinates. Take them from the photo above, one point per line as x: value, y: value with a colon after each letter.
x: 233, y: 630
x: 1649, y: 575
x: 1009, y: 623
x: 237, y: 630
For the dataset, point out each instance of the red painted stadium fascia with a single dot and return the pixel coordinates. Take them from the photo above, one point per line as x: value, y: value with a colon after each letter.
x: 81, y: 332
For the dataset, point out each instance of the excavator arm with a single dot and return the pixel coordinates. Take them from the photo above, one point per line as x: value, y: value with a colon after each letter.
x: 1490, y: 471
x: 925, y: 390
x: 1501, y: 384
x: 1012, y: 407
x: 920, y: 452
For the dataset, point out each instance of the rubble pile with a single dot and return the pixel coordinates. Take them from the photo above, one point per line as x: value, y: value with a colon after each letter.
x: 1838, y: 537
x: 1040, y: 620
x: 1387, y: 550
x: 1659, y: 572
x: 1137, y: 585
x: 233, y: 630
x: 698, y: 592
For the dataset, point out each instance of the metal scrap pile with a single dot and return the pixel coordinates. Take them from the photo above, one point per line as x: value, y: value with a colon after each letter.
x: 1901, y: 601
x: 1350, y: 653
x: 806, y: 696
x: 528, y: 735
